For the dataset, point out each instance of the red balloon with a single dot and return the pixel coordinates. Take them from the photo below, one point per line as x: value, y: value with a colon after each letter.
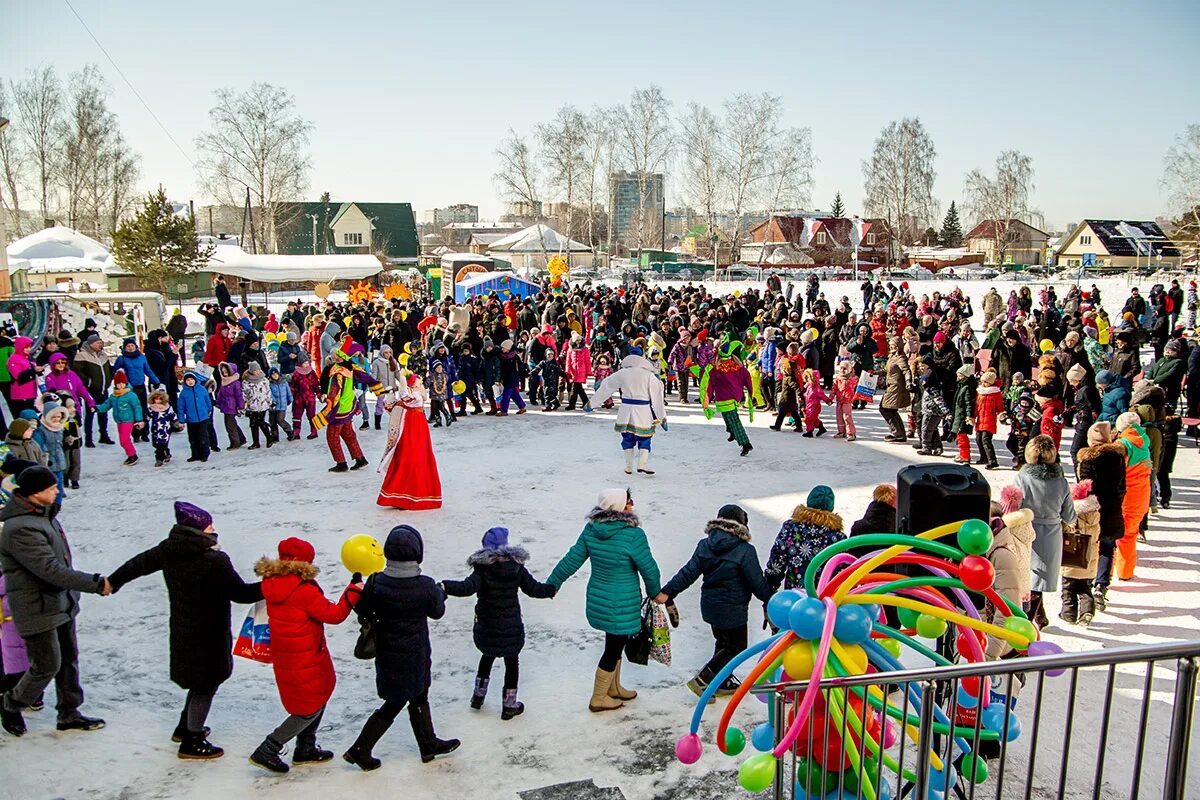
x: 971, y: 685
x: 977, y: 573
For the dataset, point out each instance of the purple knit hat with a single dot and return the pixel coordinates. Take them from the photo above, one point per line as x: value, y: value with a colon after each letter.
x: 191, y: 516
x: 495, y: 538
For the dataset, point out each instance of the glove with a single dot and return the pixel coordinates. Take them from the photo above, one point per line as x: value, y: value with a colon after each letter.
x: 319, y: 421
x: 708, y: 412
x: 352, y: 594
x: 664, y: 425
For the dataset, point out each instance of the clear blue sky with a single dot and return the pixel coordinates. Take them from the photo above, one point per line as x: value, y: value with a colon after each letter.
x: 409, y: 100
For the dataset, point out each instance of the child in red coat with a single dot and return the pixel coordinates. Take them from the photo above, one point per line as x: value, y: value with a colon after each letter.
x: 306, y: 385
x: 989, y: 403
x: 844, y: 386
x: 298, y: 613
x: 1050, y: 399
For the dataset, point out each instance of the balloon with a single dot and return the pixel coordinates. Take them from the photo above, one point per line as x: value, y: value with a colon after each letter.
x: 757, y: 772
x: 688, y: 748
x: 408, y: 347
x: 977, y: 573
x: 363, y: 553
x: 971, y: 684
x: 807, y: 618
x: 798, y: 661
x: 812, y: 780
x: 930, y: 626
x: 458, y: 387
x: 855, y: 661
x: 908, y: 617
x: 993, y: 720
x: 1021, y: 627
x: 891, y: 645
x: 966, y: 699
x: 403, y: 359
x: 852, y: 625
x: 735, y: 741
x: 780, y: 604
x: 1041, y: 648
x: 974, y: 768
x: 975, y: 537
x: 763, y: 737
x: 963, y: 642
x: 1045, y: 345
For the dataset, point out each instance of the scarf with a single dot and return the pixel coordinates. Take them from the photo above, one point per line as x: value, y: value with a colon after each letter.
x: 402, y: 569
x: 118, y: 391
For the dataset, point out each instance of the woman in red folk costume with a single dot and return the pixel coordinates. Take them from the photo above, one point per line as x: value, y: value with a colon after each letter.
x: 342, y: 404
x: 411, y: 477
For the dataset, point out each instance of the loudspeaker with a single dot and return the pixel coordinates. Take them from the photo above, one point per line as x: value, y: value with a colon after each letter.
x: 929, y: 495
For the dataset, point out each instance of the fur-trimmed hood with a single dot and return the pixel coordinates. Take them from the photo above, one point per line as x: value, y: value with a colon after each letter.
x: 1088, y: 505
x: 598, y: 515
x: 486, y: 556
x: 1019, y: 525
x: 1045, y: 472
x: 267, y: 567
x: 817, y: 516
x: 734, y: 529
x: 1093, y: 452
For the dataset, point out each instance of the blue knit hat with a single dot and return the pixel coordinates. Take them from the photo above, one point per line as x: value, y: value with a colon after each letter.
x: 635, y: 351
x: 495, y: 538
x: 821, y: 497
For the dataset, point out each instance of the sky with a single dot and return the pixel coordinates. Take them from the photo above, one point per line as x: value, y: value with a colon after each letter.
x: 409, y: 101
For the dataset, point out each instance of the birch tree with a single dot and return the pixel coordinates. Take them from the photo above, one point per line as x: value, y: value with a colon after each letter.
x: 598, y: 129
x: 647, y: 139
x: 11, y: 166
x: 38, y: 101
x: 258, y: 142
x: 704, y: 171
x: 563, y: 142
x: 898, y: 179
x: 751, y: 126
x: 790, y: 183
x: 1181, y: 180
x: 1002, y: 200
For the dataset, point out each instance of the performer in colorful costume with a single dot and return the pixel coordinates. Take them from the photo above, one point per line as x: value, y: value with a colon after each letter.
x: 642, y: 406
x: 342, y: 404
x: 724, y: 387
x: 1136, y: 503
x: 410, y: 470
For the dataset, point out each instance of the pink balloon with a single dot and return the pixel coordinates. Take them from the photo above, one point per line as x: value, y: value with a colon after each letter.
x: 890, y: 733
x: 814, y: 685
x: 688, y: 748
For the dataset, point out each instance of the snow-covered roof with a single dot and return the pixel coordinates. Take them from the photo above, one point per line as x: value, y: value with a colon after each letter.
x: 232, y: 260
x: 536, y: 239
x: 57, y: 242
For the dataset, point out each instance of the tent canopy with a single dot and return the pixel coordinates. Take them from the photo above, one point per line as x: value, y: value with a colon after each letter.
x: 536, y: 239
x: 504, y: 284
x: 229, y: 259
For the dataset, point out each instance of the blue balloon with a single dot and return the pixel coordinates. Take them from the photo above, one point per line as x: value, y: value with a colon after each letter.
x: 763, y: 737
x: 993, y: 720
x: 780, y: 604
x: 807, y: 618
x: 852, y: 625
x: 966, y: 699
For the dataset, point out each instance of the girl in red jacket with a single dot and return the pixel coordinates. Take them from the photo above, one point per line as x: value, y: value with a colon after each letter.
x: 298, y: 612
x: 1049, y: 397
x: 989, y: 402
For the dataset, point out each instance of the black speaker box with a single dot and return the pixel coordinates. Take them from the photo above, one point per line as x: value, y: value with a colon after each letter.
x: 929, y: 495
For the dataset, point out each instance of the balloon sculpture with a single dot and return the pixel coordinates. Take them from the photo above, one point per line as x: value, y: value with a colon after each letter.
x: 834, y: 627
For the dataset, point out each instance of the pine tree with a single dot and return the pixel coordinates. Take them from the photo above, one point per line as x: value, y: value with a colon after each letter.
x: 952, y: 232
x: 838, y: 210
x: 158, y: 246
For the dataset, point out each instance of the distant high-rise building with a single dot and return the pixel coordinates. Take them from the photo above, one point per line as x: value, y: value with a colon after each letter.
x: 459, y: 212
x: 628, y: 201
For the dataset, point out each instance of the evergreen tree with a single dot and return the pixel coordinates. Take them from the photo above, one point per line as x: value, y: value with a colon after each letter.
x: 838, y: 210
x: 952, y: 232
x: 158, y: 246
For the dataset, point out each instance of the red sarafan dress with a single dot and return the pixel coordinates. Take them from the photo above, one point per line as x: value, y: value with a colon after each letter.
x: 411, y: 480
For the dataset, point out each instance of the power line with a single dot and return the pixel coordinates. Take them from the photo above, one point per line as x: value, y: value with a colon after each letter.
x: 129, y: 83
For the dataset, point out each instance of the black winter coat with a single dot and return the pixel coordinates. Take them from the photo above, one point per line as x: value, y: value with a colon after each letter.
x: 731, y: 573
x: 201, y: 585
x: 401, y: 609
x: 1105, y: 466
x: 878, y: 518
x: 495, y: 578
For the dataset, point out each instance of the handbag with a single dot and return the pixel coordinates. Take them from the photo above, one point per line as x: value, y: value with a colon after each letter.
x: 365, y: 647
x: 254, y: 639
x: 660, y: 635
x: 1075, y: 549
x: 637, y: 649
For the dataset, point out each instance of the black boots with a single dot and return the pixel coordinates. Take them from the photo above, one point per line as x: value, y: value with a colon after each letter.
x: 359, y: 753
x: 80, y: 723
x: 308, y: 752
x: 359, y: 463
x: 196, y: 747
x: 339, y: 467
x: 477, y: 696
x: 422, y: 726
x: 746, y: 448
x: 1070, y: 607
x: 267, y: 757
x: 1036, y: 610
x: 378, y: 418
x: 181, y: 730
x: 1087, y: 609
x: 512, y: 707
x: 1100, y: 597
x: 10, y: 717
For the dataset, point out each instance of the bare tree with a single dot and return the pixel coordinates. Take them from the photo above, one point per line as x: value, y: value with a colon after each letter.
x: 646, y: 138
x: 257, y: 142
x: 563, y: 142
x: 517, y: 176
x: 39, y: 102
x: 705, y: 178
x: 751, y: 126
x: 11, y: 166
x: 1181, y: 179
x: 1002, y: 201
x: 898, y: 179
x: 790, y: 183
x: 598, y: 137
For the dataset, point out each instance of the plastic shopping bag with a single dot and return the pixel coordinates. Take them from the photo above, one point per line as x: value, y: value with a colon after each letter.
x: 254, y: 640
x: 866, y: 387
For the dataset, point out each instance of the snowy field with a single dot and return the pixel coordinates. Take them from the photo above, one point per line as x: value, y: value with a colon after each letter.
x: 537, y: 474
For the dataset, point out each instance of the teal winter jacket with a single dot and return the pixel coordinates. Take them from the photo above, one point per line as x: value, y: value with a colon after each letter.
x: 124, y: 407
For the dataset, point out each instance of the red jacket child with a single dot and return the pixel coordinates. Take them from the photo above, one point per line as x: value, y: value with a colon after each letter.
x: 989, y: 402
x: 1052, y: 411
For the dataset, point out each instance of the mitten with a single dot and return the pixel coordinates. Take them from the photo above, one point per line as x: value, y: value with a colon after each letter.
x: 319, y: 421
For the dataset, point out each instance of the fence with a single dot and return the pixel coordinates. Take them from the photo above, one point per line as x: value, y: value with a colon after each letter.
x: 1120, y: 729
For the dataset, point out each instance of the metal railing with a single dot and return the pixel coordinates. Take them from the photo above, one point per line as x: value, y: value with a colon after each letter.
x: 1117, y: 715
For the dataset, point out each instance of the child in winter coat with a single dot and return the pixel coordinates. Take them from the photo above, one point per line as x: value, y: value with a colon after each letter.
x: 812, y: 528
x: 989, y: 403
x: 844, y: 386
x: 603, y: 368
x: 788, y: 396
x: 306, y: 384
x: 1078, y: 605
x: 1049, y: 399
x: 963, y: 412
x: 72, y: 441
x: 126, y: 410
x: 578, y: 370
x: 469, y: 371
x: 550, y: 372
x: 386, y: 370
x: 162, y: 424
x: 51, y: 433
x: 13, y: 659
x: 814, y: 395
x: 195, y: 412
x: 439, y: 394
x: 231, y: 402
x: 298, y: 612
x: 281, y: 401
x: 201, y: 585
x: 933, y: 409
x: 62, y: 378
x: 256, y: 392
x: 20, y: 443
x: 135, y: 365
x: 732, y: 575
x: 1011, y: 554
x: 1012, y: 396
x: 399, y: 602
x: 1023, y: 422
x: 498, y: 572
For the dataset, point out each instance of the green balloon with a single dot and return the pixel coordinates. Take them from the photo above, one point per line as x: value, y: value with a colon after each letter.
x: 757, y: 772
x: 975, y: 537
x: 891, y: 645
x: 974, y: 768
x: 908, y: 617
x: 870, y: 769
x: 735, y: 741
x: 1022, y: 627
x: 813, y: 778
x: 930, y: 626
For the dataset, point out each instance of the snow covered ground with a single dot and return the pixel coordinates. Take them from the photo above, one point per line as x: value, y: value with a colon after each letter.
x: 538, y: 475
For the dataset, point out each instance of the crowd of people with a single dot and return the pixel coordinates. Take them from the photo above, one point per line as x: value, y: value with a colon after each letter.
x: 1036, y: 368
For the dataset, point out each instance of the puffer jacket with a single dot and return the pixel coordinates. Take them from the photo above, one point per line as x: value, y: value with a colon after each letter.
x: 732, y: 575
x: 496, y: 577
x: 136, y: 365
x: 897, y: 376
x: 124, y: 406
x: 24, y: 375
x: 298, y: 612
x: 1104, y: 465
x: 578, y: 364
x: 989, y: 402
x: 281, y: 396
x: 1115, y: 400
x: 808, y: 532
x: 1011, y: 556
x: 1087, y: 522
x: 617, y: 547
x: 194, y: 404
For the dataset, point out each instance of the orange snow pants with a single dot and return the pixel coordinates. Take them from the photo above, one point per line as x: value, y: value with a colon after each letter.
x: 1133, y: 508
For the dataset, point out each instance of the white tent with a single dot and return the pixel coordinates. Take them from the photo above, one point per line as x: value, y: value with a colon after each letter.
x: 537, y: 239
x: 232, y: 260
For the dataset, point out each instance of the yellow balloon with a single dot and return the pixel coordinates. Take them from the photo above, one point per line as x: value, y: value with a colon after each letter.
x: 853, y: 658
x: 798, y: 661
x: 408, y: 347
x: 459, y: 387
x: 363, y: 553
x: 403, y: 316
x: 1045, y: 345
x: 403, y: 359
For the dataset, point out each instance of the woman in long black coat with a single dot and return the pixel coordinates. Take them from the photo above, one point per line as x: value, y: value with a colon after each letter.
x: 1103, y: 462
x: 399, y: 602
x: 497, y: 573
x: 201, y: 585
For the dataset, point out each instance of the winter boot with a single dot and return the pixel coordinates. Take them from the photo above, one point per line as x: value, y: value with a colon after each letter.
x: 359, y: 753
x: 698, y: 684
x: 629, y: 461
x: 80, y: 723
x: 308, y: 752
x: 618, y: 691
x: 181, y: 730
x: 1070, y: 607
x: 422, y: 725
x: 365, y: 424
x: 481, y: 687
x: 1087, y: 609
x: 512, y: 708
x: 359, y: 463
x: 339, y: 467
x: 196, y: 747
x: 601, y: 701
x: 643, y: 461
x: 10, y: 717
x: 730, y: 686
x: 1099, y: 598
x: 267, y: 757
x: 129, y: 462
x: 378, y: 420
x: 746, y: 448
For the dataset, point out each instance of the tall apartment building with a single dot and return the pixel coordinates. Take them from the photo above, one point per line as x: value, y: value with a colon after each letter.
x: 626, y: 204
x: 459, y: 212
